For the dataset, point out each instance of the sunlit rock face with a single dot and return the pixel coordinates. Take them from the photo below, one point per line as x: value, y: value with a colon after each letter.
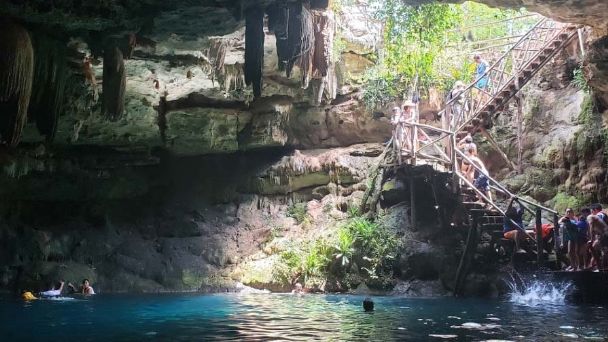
x: 208, y: 111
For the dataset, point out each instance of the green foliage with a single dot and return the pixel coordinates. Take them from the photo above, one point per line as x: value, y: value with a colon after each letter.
x: 579, y: 80
x: 344, y: 249
x: 338, y: 47
x: 427, y: 47
x: 360, y: 246
x: 563, y: 201
x: 299, y: 212
x: 353, y: 211
x: 413, y: 37
x: 593, y: 134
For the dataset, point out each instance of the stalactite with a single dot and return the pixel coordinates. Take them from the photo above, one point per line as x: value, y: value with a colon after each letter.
x: 324, y: 26
x: 233, y: 77
x: 16, y: 73
x: 114, y: 82
x: 254, y: 49
x: 323, y: 67
x: 50, y: 77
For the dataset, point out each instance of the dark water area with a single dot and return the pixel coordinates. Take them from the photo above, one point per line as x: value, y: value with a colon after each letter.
x: 262, y: 317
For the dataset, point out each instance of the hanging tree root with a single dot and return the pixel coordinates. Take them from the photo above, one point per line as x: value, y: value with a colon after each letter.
x: 377, y: 172
x: 114, y: 82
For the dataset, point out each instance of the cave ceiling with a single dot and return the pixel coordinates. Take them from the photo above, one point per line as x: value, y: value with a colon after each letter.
x: 118, y: 16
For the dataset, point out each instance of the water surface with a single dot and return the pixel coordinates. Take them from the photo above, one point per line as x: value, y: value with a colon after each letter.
x: 256, y: 317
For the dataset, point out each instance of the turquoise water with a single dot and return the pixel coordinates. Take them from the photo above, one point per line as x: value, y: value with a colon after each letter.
x: 256, y: 317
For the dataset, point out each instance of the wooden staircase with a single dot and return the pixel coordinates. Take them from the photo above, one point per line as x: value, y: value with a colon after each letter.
x: 474, y: 112
x: 507, y: 76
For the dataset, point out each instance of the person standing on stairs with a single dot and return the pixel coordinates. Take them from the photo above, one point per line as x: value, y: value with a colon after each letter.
x: 399, y: 138
x: 456, y: 107
x: 481, y: 81
x: 480, y: 70
x: 481, y: 179
x: 408, y: 114
x: 469, y: 149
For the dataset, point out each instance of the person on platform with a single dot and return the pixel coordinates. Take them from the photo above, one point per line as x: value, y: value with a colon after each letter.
x: 513, y: 225
x: 571, y: 238
x: 598, y: 237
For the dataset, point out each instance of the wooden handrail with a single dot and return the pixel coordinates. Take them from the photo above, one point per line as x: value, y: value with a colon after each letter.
x: 501, y: 187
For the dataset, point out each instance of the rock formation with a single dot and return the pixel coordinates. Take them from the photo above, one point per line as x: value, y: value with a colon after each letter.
x: 16, y: 74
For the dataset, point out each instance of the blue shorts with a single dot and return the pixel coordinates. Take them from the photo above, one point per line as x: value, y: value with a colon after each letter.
x: 482, y: 83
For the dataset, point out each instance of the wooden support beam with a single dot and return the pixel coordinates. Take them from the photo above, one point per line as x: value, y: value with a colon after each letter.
x: 539, y: 239
x: 519, y: 133
x: 556, y: 238
x: 412, y: 202
x: 465, y: 259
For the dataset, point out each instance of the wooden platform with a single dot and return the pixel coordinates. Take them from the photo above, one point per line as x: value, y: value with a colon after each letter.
x: 588, y: 287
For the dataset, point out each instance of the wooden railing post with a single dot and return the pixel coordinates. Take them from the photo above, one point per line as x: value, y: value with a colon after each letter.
x: 455, y: 182
x: 465, y: 259
x: 414, y: 131
x: 539, y: 238
x: 412, y: 202
x: 556, y: 239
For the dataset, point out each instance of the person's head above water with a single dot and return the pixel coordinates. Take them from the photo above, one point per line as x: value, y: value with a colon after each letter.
x: 368, y: 305
x: 85, y: 282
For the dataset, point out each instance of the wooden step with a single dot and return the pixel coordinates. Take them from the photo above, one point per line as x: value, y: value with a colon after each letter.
x: 491, y: 227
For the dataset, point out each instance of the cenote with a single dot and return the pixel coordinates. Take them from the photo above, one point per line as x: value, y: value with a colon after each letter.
x: 284, y: 317
x: 254, y: 169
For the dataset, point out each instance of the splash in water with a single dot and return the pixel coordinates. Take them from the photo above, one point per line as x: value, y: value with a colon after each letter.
x: 539, y: 293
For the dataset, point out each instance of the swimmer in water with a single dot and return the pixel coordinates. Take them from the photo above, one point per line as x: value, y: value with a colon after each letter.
x: 53, y: 292
x: 297, y: 289
x: 85, y: 288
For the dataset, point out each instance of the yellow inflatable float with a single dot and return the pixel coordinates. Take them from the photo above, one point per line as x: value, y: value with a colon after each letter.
x: 27, y: 295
